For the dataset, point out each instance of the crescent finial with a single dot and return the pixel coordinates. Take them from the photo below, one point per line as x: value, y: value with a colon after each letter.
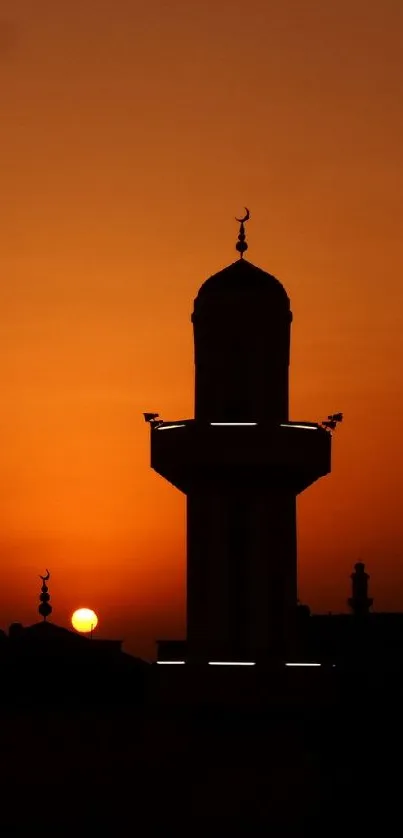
x: 245, y: 218
x: 241, y: 244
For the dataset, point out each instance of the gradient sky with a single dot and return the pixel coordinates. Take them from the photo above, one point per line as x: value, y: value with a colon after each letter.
x: 131, y: 134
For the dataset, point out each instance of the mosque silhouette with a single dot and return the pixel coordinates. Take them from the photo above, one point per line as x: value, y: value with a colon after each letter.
x: 241, y: 462
x: 296, y: 729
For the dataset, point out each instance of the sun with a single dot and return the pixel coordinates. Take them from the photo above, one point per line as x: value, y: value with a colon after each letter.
x: 84, y: 620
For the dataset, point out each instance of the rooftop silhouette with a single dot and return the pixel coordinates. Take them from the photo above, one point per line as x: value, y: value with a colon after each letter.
x: 46, y: 663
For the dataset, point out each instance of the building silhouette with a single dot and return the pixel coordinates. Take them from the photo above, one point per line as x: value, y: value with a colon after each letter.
x: 241, y: 463
x: 360, y: 602
x: 362, y: 639
x: 46, y: 663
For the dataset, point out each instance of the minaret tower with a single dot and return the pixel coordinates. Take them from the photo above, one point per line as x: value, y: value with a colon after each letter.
x: 241, y: 464
x: 359, y: 602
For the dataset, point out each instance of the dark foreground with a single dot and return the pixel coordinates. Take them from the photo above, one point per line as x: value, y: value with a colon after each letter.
x: 312, y: 754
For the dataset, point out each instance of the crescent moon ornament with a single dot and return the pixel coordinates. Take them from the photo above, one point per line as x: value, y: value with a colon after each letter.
x: 246, y: 217
x: 45, y: 578
x: 241, y: 245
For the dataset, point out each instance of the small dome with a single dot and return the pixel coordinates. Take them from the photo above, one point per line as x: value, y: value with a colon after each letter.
x: 242, y: 276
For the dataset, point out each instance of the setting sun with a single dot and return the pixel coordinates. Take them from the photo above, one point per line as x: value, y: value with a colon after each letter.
x: 84, y: 620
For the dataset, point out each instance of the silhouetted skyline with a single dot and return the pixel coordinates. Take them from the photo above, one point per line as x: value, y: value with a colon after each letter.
x: 131, y: 135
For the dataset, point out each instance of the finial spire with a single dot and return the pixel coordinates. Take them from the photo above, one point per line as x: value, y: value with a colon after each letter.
x: 45, y: 609
x: 241, y: 244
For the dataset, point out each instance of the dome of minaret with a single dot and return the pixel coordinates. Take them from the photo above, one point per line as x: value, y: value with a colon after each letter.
x: 243, y: 281
x: 244, y: 277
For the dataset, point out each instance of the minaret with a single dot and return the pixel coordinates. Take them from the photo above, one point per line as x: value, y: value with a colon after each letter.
x: 45, y: 609
x: 241, y: 464
x: 359, y: 602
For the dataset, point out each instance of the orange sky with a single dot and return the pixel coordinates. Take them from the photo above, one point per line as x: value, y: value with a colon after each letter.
x: 131, y: 134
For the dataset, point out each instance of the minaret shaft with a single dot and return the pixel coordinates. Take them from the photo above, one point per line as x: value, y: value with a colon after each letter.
x: 239, y: 606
